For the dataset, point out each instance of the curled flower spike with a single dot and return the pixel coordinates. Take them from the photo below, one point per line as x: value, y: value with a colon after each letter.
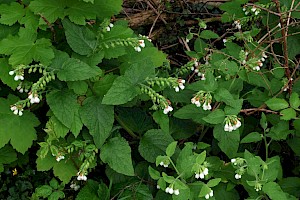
x: 232, y: 123
x: 168, y: 109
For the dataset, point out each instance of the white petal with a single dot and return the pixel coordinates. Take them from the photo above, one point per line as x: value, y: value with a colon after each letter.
x: 207, y: 196
x: 167, y: 190
x: 20, y: 113
x: 211, y: 193
x: 11, y: 73
x: 205, y: 172
x: 171, y: 191
x: 197, y: 176
x: 233, y: 160
x: 111, y: 25
x: 201, y: 175
x: 176, y: 192
x: 16, y: 78
x: 108, y: 29
x: 176, y: 89
x: 16, y: 112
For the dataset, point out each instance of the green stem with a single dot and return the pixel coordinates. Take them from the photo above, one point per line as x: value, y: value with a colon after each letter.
x: 129, y: 131
x: 266, y: 146
x: 91, y: 87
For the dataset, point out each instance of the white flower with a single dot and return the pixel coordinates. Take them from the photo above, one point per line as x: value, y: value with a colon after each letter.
x: 256, y: 12
x: 197, y: 176
x: 237, y: 176
x: 108, y: 29
x: 244, y: 9
x: 138, y: 49
x: 176, y: 192
x: 158, y: 187
x: 16, y: 112
x: 201, y: 175
x: 161, y: 163
x: 59, y: 158
x: 207, y: 196
x: 237, y: 125
x: 228, y: 127
x: 13, y: 108
x: 196, y: 70
x: 171, y: 191
x: 176, y: 89
x: 165, y: 166
x: 224, y: 40
x: 187, y: 40
x: 167, y: 190
x: 11, y: 73
x: 81, y: 177
x: 233, y: 160
x: 253, y: 9
x: 196, y: 101
x: 206, y: 106
x: 279, y: 25
x: 168, y: 109
x: 205, y: 172
x: 111, y: 25
x: 244, y: 62
x: 192, y: 68
x: 264, y: 55
x: 20, y: 112
x: 211, y: 194
x: 203, y: 77
x: 246, y: 13
x: 18, y: 77
x: 257, y: 68
x: 263, y: 59
x: 34, y: 98
x: 142, y: 43
x: 196, y: 63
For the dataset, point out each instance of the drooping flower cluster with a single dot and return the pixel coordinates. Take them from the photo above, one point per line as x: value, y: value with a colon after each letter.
x: 237, y: 24
x: 164, y: 164
x: 241, y: 165
x: 19, y: 75
x: 252, y: 9
x: 17, y: 110
x: 74, y: 186
x: 181, y: 83
x: 141, y: 44
x: 33, y: 97
x: 210, y: 194
x: 203, y: 98
x: 81, y: 177
x: 232, y: 123
x: 108, y: 28
x: 202, y: 174
x: 170, y: 190
x: 255, y: 63
x: 59, y: 158
x: 168, y: 109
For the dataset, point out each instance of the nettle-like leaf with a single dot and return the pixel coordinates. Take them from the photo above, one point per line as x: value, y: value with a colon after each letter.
x: 153, y: 144
x: 25, y: 48
x: 64, y: 105
x: 18, y: 130
x: 78, y: 11
x: 98, y: 118
x: 71, y: 69
x: 64, y: 170
x: 82, y: 40
x: 7, y: 79
x: 117, y: 154
x: 7, y: 155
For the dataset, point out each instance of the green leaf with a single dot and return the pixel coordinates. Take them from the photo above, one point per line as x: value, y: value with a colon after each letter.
x: 291, y: 185
x: 7, y: 155
x: 288, y: 114
x: 213, y: 182
x: 153, y: 173
x: 162, y: 120
x: 98, y: 118
x: 117, y: 154
x: 44, y: 191
x: 186, y: 160
x: 64, y: 105
x: 227, y: 67
x: 71, y: 69
x: 277, y: 104
x: 122, y: 91
x: 82, y: 40
x: 204, y: 190
x: 215, y: 117
x: 280, y: 131
x: 274, y: 191
x: 79, y: 87
x: 7, y: 79
x: 57, y: 195
x: 228, y: 141
x: 191, y: 112
x: 171, y: 149
x: 200, y: 46
x: 12, y: 13
x: 25, y: 48
x: 89, y: 191
x: 50, y: 9
x: 153, y: 144
x: 294, y: 100
x: 294, y: 143
x: 104, y: 84
x: 263, y: 121
x: 54, y: 183
x: 13, y: 127
x: 252, y: 137
x: 207, y: 34
x: 201, y: 158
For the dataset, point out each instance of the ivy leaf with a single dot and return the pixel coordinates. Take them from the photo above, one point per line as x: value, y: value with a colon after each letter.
x: 71, y: 69
x: 10, y: 14
x: 117, y: 154
x: 98, y: 118
x: 153, y: 144
x: 50, y: 9
x: 80, y: 38
x: 25, y: 48
x: 64, y: 105
x: 228, y: 141
x: 13, y: 127
x: 277, y: 104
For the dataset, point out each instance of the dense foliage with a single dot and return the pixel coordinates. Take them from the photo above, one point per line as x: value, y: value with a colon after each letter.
x: 91, y: 110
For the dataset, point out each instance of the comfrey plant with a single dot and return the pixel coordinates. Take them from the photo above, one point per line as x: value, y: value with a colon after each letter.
x: 104, y: 111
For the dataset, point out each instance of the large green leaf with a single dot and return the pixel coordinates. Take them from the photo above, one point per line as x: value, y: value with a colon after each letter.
x: 98, y: 118
x: 7, y: 79
x: 153, y: 144
x: 228, y: 141
x: 64, y: 105
x: 25, y: 48
x: 82, y: 40
x: 274, y: 191
x: 191, y: 112
x: 72, y: 69
x: 7, y: 155
x: 277, y: 104
x: 215, y: 117
x: 117, y: 154
x: 19, y: 130
x: 10, y: 14
x: 89, y: 191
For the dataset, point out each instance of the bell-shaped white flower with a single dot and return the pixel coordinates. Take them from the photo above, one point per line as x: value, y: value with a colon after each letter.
x: 59, y: 158
x: 206, y: 106
x: 11, y: 73
x: 237, y: 176
x: 176, y: 192
x: 81, y: 177
x: 138, y: 49
x: 168, y: 109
